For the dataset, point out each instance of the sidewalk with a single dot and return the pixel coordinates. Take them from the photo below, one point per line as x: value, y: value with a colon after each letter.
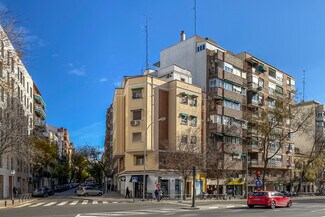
x: 5, y: 203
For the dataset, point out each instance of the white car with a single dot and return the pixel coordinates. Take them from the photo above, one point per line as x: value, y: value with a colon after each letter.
x: 89, y: 191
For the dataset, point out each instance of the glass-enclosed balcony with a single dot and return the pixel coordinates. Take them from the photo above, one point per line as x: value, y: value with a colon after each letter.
x: 40, y: 112
x: 40, y: 100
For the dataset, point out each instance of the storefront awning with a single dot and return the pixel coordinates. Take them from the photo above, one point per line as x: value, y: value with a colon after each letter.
x: 236, y: 182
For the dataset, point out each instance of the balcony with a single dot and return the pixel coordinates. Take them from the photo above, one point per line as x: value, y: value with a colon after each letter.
x: 255, y: 163
x: 40, y: 112
x: 253, y: 148
x: 40, y: 100
x: 262, y: 68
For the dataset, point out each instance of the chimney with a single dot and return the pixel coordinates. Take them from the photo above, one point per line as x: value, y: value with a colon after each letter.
x: 183, y: 36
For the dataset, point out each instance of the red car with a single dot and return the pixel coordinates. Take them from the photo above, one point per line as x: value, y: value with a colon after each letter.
x: 269, y: 199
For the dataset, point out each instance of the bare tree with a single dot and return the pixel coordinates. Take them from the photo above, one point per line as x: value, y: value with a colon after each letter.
x: 276, y: 125
x: 180, y: 157
x: 223, y: 157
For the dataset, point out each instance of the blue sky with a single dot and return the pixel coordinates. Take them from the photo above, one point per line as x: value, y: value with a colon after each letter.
x: 81, y: 48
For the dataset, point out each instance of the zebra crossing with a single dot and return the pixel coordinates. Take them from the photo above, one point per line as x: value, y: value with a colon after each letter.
x: 62, y: 203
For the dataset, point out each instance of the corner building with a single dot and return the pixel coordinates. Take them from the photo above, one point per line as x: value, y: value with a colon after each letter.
x: 137, y: 107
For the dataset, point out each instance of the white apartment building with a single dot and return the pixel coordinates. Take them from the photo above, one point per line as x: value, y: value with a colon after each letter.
x: 16, y: 95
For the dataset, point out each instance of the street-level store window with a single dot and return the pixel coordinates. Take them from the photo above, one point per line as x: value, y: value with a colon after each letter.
x: 184, y: 118
x: 138, y: 159
x: 137, y: 93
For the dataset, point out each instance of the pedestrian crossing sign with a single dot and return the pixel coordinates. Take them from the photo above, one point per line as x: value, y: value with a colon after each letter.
x: 134, y: 179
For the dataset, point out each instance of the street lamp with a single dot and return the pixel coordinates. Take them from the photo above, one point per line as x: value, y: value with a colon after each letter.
x: 12, y: 172
x: 144, y: 158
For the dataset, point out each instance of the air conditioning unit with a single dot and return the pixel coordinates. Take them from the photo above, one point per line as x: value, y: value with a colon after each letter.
x: 135, y: 123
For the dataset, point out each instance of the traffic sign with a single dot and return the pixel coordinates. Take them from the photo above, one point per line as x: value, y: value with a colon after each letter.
x: 258, y: 183
x: 134, y: 179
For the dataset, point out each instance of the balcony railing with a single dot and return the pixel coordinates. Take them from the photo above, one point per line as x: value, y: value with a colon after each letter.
x: 40, y: 100
x: 39, y: 111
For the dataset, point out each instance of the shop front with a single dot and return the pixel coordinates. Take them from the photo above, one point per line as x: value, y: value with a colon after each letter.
x: 236, y: 187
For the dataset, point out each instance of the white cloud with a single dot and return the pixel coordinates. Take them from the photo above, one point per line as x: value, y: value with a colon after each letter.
x: 117, y: 83
x: 74, y: 70
x: 103, y: 79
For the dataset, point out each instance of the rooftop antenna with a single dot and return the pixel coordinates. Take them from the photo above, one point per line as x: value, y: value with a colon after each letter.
x: 303, y: 85
x: 194, y: 17
x: 147, y: 61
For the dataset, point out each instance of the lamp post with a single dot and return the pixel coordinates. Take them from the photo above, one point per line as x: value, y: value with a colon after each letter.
x: 144, y: 158
x: 12, y: 172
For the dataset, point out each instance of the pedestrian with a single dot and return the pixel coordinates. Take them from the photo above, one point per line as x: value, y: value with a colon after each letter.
x: 157, y: 194
x: 127, y: 195
x: 14, y: 191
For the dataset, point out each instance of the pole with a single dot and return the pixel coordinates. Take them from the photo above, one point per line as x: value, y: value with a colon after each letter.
x: 246, y: 175
x: 193, y: 197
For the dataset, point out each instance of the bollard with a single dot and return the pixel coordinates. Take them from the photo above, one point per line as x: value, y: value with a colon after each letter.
x: 5, y: 203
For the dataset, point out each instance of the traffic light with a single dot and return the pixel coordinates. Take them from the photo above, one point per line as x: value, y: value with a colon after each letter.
x: 258, y: 175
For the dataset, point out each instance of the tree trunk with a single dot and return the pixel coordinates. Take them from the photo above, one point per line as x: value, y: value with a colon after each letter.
x: 184, y: 188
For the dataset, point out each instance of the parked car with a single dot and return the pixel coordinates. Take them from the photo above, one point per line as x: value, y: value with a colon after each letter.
x: 42, y: 192
x: 269, y: 199
x: 89, y: 190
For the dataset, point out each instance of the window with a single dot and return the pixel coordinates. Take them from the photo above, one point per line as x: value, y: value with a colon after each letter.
x: 184, y: 98
x: 232, y: 139
x: 184, y: 139
x: 184, y: 118
x: 232, y: 105
x: 243, y: 91
x: 30, y: 92
x: 320, y: 114
x: 201, y: 47
x: 193, y: 121
x: 215, y: 82
x: 272, y: 73
x: 136, y: 137
x: 216, y: 119
x: 236, y: 72
x: 227, y: 86
x: 271, y: 103
x: 226, y: 120
x: 137, y: 115
x: 193, y: 101
x: 138, y: 159
x: 30, y: 107
x: 137, y: 93
x: 2, y: 94
x: 193, y: 140
x: 320, y: 123
x: 183, y: 79
x: 228, y: 68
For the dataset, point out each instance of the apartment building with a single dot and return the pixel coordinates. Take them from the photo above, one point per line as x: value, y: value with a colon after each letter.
x: 39, y: 107
x: 108, y: 146
x: 306, y: 142
x: 265, y: 85
x: 161, y: 107
x: 16, y: 107
x: 236, y: 85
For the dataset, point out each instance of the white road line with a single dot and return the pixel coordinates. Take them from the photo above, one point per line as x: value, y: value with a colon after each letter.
x: 50, y: 204
x: 22, y: 205
x: 317, y: 210
x: 38, y: 204
x: 74, y: 203
x: 213, y: 207
x: 105, y: 202
x: 63, y: 203
x: 230, y: 206
x: 115, y: 202
x: 95, y: 202
x: 84, y: 202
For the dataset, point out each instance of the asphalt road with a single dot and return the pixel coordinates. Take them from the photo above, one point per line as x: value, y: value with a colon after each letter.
x: 67, y: 205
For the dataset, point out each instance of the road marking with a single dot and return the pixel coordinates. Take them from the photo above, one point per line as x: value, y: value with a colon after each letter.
x: 84, y: 202
x: 22, y: 205
x: 213, y: 207
x: 74, y: 203
x: 63, y: 203
x: 95, y: 202
x: 38, y: 204
x: 50, y: 204
x: 230, y: 206
x: 115, y: 202
x: 317, y: 210
x: 105, y: 202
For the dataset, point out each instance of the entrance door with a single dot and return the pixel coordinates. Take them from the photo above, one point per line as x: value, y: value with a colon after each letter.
x: 164, y: 188
x: 10, y: 186
x: 177, y: 188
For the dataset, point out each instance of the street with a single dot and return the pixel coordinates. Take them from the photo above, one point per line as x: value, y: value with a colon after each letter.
x: 66, y: 204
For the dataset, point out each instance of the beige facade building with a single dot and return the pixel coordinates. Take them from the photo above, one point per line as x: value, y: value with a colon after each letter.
x: 305, y: 142
x: 149, y: 111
